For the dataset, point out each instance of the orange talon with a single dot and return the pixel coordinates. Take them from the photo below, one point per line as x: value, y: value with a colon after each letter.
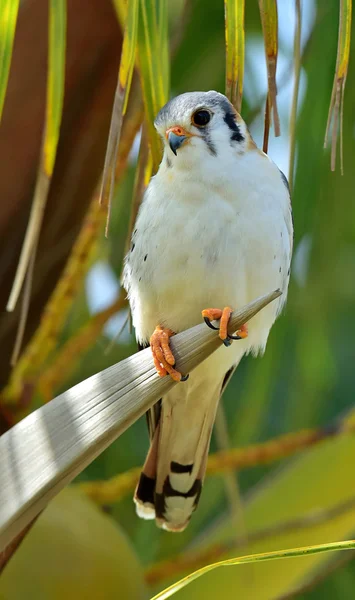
x: 162, y: 354
x: 223, y: 324
x: 212, y: 314
x: 243, y: 331
x: 164, y: 340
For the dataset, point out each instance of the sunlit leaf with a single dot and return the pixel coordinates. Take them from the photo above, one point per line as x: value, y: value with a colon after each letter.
x: 269, y: 20
x: 163, y: 38
x: 60, y: 465
x: 54, y: 106
x: 8, y: 19
x: 254, y: 558
x: 337, y: 99
x: 120, y: 103
x: 153, y: 66
x: 234, y: 34
x: 297, y: 69
x: 55, y: 81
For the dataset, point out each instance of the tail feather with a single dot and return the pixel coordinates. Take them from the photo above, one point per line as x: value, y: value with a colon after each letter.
x: 170, y: 484
x: 144, y: 495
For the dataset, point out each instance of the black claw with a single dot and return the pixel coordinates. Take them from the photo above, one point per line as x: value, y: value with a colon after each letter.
x: 185, y: 377
x: 227, y: 342
x: 209, y: 324
x: 235, y: 337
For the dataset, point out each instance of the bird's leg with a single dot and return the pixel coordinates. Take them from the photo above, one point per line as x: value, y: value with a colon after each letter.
x: 163, y: 357
x: 215, y: 314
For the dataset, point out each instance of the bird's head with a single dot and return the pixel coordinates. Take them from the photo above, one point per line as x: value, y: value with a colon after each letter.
x: 201, y: 126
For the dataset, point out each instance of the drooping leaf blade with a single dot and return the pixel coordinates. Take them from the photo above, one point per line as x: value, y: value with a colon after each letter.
x: 55, y: 82
x: 269, y: 20
x: 54, y: 106
x: 235, y: 43
x: 297, y: 71
x: 255, y: 558
x: 153, y: 64
x: 335, y: 114
x: 8, y: 20
x: 125, y: 74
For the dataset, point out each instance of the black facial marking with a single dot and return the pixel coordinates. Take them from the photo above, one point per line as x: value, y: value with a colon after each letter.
x: 168, y: 162
x: 135, y: 231
x: 280, y: 270
x: 132, y: 247
x: 210, y: 145
x: 229, y: 118
x: 145, y: 258
x: 288, y: 272
x: 179, y: 468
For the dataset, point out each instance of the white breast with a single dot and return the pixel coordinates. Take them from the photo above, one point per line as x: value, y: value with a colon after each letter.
x: 220, y: 239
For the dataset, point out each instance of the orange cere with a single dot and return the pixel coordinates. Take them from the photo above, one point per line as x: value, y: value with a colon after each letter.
x: 180, y: 131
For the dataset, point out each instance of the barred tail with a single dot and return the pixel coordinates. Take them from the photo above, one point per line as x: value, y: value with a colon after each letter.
x: 171, y: 481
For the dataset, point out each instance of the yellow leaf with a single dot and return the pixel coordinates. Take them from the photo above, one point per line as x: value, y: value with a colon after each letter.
x: 234, y: 34
x: 153, y: 61
x: 8, y: 19
x: 341, y: 71
x: 253, y: 558
x: 55, y: 81
x: 268, y: 13
x: 125, y: 74
x: 73, y: 551
x: 54, y: 106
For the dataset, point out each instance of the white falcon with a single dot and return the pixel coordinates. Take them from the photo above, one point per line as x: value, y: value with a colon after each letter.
x: 214, y: 230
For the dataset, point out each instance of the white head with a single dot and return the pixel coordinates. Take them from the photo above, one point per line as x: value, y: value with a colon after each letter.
x: 201, y: 126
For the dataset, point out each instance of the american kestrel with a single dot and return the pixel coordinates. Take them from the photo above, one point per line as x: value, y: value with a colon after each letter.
x: 214, y: 232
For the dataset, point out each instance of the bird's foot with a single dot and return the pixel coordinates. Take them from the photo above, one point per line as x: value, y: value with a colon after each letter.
x: 163, y: 357
x: 223, y: 316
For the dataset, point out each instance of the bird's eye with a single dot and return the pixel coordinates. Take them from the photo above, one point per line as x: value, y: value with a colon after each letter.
x: 201, y: 118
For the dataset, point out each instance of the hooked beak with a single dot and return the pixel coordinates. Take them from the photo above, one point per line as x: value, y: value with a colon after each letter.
x: 176, y: 136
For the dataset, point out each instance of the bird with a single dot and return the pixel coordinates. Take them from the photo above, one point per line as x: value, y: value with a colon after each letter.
x: 214, y: 231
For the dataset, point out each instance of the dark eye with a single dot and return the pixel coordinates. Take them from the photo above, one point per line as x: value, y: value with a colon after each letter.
x: 201, y: 118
